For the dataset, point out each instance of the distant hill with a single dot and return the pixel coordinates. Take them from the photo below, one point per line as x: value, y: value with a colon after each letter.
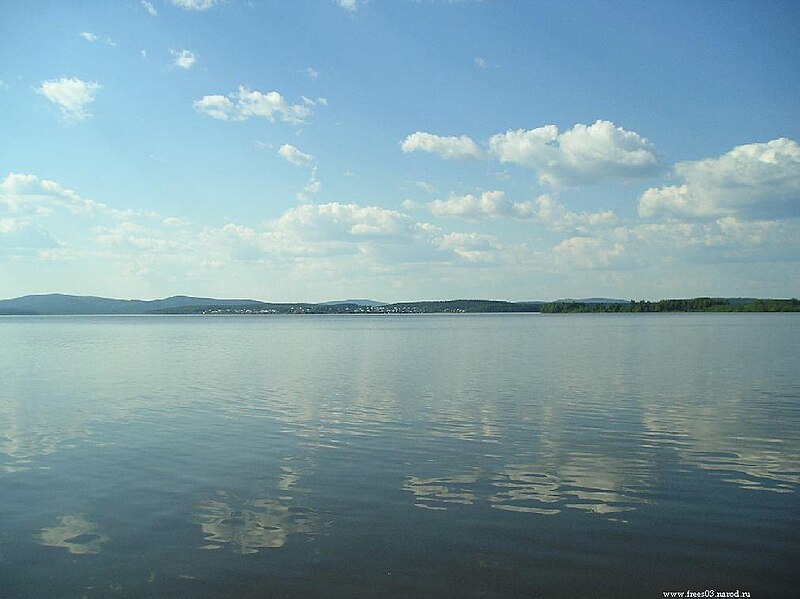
x: 56, y: 303
x: 355, y: 302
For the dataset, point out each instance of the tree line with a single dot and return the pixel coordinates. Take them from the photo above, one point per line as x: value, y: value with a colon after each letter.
x: 697, y: 304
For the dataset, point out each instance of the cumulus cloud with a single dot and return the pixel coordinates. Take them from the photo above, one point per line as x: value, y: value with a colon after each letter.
x: 184, y: 59
x: 28, y: 204
x: 446, y: 147
x: 751, y: 181
x: 137, y: 237
x: 584, y: 154
x: 727, y: 231
x: 71, y: 95
x: 557, y: 217
x: 244, y: 104
x: 218, y: 107
x: 588, y: 253
x: 335, y: 221
x: 194, y: 4
x: 371, y: 234
x: 295, y: 156
x: 472, y: 247
x: 148, y: 6
x: 374, y: 234
x: 28, y: 194
x: 545, y: 210
x: 488, y: 205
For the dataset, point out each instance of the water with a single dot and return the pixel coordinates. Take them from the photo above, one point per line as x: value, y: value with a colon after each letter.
x: 452, y: 455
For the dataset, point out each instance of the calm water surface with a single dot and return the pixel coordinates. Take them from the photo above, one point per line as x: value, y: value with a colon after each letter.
x: 452, y: 455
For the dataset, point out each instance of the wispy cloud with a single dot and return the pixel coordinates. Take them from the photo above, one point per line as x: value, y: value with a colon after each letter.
x: 91, y: 37
x: 195, y: 4
x: 148, y: 6
x: 351, y: 5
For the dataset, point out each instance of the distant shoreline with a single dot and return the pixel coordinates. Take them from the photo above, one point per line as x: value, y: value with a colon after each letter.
x: 57, y: 304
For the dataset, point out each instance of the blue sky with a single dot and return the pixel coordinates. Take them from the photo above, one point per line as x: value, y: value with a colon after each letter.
x: 399, y: 150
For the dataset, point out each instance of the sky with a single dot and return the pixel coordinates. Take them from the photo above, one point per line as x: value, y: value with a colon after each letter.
x: 399, y: 149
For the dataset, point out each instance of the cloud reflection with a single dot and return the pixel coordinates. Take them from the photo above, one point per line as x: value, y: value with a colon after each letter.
x: 249, y: 525
x: 75, y: 533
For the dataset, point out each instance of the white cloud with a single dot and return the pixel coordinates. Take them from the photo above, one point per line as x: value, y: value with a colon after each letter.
x: 341, y: 242
x: 472, y: 247
x: 295, y: 156
x: 20, y: 234
x: 584, y: 154
x: 244, y: 104
x: 725, y: 239
x: 27, y: 194
x: 446, y: 147
x: 184, y: 59
x: 311, y: 73
x: 545, y: 210
x: 313, y: 186
x: 490, y: 204
x: 557, y: 217
x: 148, y: 6
x: 72, y: 96
x: 350, y: 5
x: 194, y: 4
x: 588, y: 253
x: 481, y: 63
x: 339, y: 222
x: 218, y: 107
x: 137, y: 237
x: 751, y: 181
x: 369, y: 234
x: 143, y: 54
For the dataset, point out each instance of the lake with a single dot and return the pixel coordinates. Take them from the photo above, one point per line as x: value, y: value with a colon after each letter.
x: 394, y: 456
